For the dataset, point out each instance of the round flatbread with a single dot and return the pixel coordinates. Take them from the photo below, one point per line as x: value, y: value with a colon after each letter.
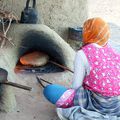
x: 34, y: 59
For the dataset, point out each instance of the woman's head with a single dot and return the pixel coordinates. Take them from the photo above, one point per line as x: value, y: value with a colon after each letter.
x: 96, y: 30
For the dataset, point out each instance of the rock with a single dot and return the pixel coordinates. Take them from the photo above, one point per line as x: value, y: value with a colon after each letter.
x: 34, y: 59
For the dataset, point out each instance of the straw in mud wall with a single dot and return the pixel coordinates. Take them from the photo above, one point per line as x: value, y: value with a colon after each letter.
x: 7, y: 97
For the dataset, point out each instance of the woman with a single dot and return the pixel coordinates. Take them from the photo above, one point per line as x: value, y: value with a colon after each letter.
x: 95, y: 92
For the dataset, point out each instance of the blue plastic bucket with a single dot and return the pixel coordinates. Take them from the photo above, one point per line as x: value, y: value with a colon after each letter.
x: 75, y: 33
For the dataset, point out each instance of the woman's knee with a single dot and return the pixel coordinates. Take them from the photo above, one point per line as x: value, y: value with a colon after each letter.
x: 53, y: 92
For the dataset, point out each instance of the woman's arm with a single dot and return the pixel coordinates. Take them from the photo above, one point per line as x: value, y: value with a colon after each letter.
x: 81, y: 69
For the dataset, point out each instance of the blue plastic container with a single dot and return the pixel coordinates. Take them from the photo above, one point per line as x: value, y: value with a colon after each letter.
x: 75, y: 33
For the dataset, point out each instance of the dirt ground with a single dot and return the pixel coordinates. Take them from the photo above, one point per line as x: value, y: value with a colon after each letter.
x: 32, y: 105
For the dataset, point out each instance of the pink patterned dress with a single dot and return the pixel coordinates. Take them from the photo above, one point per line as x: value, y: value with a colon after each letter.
x: 66, y: 100
x: 104, y: 77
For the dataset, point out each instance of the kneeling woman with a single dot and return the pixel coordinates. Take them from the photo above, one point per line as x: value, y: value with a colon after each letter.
x: 95, y: 92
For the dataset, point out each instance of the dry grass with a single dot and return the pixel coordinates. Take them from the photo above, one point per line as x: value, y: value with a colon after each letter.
x: 6, y: 18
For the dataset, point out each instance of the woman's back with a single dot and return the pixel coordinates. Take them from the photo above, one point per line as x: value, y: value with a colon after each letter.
x: 104, y: 76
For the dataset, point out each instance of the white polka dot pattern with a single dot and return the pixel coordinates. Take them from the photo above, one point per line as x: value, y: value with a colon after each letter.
x: 104, y: 76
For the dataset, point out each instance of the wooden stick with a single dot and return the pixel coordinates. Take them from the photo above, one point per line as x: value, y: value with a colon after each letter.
x: 40, y: 82
x: 16, y: 85
x: 63, y: 67
x: 41, y: 79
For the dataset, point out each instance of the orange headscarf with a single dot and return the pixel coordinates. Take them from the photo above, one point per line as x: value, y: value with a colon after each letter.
x: 96, y: 30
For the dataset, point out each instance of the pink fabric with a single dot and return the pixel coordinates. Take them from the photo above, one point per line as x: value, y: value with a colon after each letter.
x: 66, y: 100
x: 104, y: 76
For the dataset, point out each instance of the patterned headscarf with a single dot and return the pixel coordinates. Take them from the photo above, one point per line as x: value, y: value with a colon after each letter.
x: 96, y: 30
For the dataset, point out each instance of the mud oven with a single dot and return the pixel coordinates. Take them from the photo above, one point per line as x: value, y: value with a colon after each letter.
x: 29, y: 38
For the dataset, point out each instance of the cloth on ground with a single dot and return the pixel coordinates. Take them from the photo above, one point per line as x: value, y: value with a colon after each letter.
x: 92, y: 106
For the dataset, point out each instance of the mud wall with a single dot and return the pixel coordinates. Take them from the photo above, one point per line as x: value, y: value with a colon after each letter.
x: 57, y: 14
x: 107, y: 9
